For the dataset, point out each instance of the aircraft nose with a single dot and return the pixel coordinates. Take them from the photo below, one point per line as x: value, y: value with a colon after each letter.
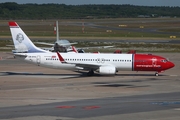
x: 171, y: 65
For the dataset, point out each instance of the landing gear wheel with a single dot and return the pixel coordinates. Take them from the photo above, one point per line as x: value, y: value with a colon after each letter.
x: 156, y: 74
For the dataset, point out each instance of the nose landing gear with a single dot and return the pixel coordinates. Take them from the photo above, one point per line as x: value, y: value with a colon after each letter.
x: 157, y: 74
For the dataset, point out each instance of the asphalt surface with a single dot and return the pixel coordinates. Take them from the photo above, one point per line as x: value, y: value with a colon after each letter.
x: 33, y: 92
x: 97, y: 107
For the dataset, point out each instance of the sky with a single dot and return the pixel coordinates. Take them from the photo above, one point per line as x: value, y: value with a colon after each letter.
x: 81, y: 2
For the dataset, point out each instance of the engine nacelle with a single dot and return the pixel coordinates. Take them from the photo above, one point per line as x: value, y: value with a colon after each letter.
x: 107, y: 70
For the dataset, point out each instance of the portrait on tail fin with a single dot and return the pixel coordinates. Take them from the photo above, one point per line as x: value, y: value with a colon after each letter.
x: 20, y: 46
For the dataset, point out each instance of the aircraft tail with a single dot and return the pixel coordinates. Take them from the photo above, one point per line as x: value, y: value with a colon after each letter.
x: 21, y: 41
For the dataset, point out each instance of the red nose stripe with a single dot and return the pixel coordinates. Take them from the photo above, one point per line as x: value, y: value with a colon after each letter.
x: 145, y: 62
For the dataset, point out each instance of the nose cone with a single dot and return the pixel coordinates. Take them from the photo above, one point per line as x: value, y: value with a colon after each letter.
x: 171, y: 65
x: 167, y: 65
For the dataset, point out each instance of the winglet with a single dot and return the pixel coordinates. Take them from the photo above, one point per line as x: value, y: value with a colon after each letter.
x: 74, y: 49
x: 61, y: 58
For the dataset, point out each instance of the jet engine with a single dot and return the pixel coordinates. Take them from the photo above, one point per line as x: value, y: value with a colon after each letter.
x: 107, y: 70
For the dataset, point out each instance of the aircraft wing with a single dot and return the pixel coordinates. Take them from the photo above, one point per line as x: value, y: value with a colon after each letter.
x: 48, y: 49
x: 43, y: 43
x: 50, y: 44
x: 69, y: 43
x: 86, y: 66
x: 20, y: 55
x: 66, y: 44
x: 96, y: 47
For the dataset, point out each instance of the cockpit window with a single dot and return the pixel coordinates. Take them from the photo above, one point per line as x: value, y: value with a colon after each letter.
x: 164, y: 60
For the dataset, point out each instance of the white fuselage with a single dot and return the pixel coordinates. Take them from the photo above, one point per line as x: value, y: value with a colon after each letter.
x: 120, y: 61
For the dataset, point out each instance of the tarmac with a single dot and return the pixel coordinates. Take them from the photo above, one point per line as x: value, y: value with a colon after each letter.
x: 31, y: 92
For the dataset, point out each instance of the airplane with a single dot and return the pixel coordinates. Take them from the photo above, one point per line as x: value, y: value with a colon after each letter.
x: 59, y: 42
x: 62, y: 43
x: 103, y: 63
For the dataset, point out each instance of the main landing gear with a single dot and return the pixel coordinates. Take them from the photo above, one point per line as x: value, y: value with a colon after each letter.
x: 90, y: 73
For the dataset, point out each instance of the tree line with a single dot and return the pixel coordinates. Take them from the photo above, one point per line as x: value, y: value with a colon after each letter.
x: 12, y: 10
